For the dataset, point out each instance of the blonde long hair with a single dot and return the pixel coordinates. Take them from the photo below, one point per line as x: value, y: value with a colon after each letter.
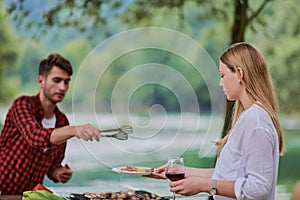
x: 257, y: 81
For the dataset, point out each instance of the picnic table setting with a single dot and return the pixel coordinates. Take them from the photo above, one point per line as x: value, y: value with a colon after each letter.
x: 115, y: 190
x: 121, y: 192
x: 101, y: 192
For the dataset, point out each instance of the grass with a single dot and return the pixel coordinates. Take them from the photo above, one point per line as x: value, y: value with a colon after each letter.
x: 289, y: 164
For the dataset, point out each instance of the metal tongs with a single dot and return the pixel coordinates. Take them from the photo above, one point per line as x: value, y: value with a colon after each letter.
x: 118, y: 133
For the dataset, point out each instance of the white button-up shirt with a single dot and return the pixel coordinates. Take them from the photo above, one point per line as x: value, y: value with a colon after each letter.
x: 250, y: 156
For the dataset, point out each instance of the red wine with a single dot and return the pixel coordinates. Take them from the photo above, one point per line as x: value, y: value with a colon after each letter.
x: 175, y: 177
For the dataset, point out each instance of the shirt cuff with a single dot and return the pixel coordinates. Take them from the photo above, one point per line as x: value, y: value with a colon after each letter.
x: 238, y: 186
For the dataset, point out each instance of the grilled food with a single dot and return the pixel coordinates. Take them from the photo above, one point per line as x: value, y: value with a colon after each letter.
x: 130, y: 194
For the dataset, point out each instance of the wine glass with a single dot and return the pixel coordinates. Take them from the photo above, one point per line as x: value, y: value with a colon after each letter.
x: 175, y: 170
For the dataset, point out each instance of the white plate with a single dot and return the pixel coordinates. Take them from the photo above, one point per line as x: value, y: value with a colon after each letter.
x: 118, y: 169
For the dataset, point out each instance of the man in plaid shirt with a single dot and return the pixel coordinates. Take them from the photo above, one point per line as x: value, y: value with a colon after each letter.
x: 34, y: 136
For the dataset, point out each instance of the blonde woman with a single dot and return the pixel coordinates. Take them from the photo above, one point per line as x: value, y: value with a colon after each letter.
x: 248, y: 156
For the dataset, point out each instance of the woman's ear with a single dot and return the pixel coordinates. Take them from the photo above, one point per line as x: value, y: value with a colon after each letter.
x: 240, y: 72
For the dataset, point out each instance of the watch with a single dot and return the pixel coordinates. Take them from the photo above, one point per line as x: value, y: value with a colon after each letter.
x: 213, y: 189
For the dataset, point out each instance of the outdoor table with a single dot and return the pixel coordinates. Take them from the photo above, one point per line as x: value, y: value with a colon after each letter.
x: 19, y: 197
x: 66, y: 191
x: 11, y: 197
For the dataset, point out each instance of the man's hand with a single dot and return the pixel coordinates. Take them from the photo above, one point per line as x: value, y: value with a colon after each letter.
x: 63, y: 174
x: 87, y: 132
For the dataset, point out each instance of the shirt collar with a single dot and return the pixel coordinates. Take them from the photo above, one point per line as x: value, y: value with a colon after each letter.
x: 41, y: 109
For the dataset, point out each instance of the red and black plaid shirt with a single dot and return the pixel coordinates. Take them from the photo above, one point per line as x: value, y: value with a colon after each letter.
x: 26, y: 154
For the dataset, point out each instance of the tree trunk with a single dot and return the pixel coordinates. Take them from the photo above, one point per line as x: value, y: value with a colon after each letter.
x: 237, y: 35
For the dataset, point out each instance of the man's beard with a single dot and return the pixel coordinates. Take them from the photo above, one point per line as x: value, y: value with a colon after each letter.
x: 48, y: 96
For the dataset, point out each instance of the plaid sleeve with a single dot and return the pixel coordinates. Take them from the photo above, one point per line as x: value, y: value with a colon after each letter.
x: 60, y: 152
x: 23, y: 116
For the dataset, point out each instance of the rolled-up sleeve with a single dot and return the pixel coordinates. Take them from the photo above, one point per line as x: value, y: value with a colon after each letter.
x: 258, y: 155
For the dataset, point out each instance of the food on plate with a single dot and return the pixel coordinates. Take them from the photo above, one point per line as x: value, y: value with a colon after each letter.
x: 136, y: 169
x: 130, y: 194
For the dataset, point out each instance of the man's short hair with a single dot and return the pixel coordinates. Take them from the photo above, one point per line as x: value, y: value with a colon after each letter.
x: 54, y: 59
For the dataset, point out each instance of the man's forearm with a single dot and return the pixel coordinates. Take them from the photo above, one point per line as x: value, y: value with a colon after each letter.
x: 61, y: 135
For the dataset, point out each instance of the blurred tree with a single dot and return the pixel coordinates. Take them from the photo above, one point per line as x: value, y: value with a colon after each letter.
x: 283, y: 54
x: 27, y: 68
x: 75, y: 50
x: 8, y: 55
x: 243, y: 17
x: 98, y: 14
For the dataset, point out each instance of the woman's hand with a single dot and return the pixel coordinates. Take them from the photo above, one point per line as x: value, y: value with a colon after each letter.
x: 159, y: 173
x: 190, y: 185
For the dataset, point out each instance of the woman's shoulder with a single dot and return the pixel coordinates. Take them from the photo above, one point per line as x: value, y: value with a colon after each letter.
x: 256, y: 124
x: 255, y: 112
x: 256, y: 117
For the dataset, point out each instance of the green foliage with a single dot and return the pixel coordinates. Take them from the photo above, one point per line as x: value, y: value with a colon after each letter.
x: 151, y: 94
x: 8, y: 56
x: 76, y: 51
x: 289, y: 164
x: 208, y: 22
x: 59, y: 14
x: 27, y: 68
x: 280, y: 45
